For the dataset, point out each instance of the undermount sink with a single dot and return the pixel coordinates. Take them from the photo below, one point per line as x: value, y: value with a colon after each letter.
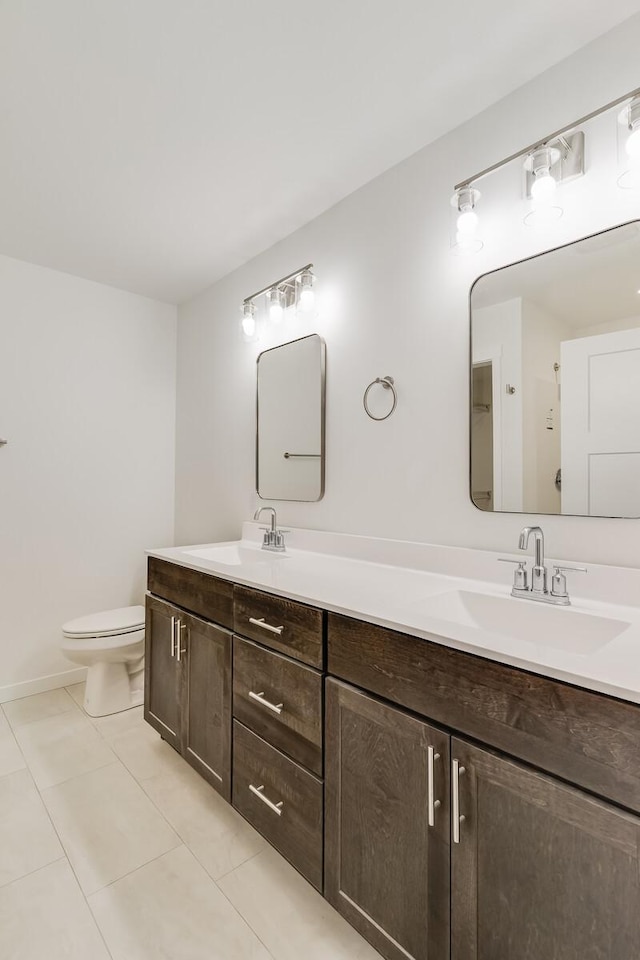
x: 231, y: 554
x: 561, y: 628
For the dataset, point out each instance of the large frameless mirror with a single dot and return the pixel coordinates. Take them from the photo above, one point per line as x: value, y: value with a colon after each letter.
x: 290, y: 455
x: 555, y: 381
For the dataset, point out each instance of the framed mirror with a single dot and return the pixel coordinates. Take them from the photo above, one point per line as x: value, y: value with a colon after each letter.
x: 555, y: 381
x: 290, y: 449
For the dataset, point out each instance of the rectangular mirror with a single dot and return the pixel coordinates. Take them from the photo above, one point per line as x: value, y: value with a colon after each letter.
x: 290, y: 454
x: 555, y: 381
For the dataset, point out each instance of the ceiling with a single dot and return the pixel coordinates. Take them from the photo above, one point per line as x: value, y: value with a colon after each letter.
x: 155, y: 145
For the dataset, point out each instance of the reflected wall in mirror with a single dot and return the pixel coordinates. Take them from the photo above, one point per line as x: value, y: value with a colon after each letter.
x: 555, y: 381
x: 290, y: 454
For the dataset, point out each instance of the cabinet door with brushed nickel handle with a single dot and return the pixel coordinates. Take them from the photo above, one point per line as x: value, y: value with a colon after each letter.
x: 163, y: 679
x: 279, y: 699
x: 387, y: 824
x: 538, y: 868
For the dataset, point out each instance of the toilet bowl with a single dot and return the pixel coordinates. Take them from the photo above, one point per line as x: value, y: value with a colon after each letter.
x: 111, y: 645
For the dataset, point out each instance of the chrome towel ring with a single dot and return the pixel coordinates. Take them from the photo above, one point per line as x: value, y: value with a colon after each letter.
x: 388, y: 384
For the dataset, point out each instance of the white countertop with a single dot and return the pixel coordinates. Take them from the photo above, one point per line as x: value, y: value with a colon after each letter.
x: 417, y: 588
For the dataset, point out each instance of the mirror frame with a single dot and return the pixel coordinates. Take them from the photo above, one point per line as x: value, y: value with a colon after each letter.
x: 505, y: 266
x: 323, y: 395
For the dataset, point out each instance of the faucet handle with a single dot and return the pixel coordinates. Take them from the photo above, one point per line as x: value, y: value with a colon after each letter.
x: 559, y: 581
x: 520, y: 575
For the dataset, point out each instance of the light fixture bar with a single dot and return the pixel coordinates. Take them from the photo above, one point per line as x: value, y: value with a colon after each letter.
x: 551, y: 136
x: 279, y: 283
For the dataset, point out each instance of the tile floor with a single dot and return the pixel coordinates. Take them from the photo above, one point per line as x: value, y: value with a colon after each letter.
x: 111, y: 846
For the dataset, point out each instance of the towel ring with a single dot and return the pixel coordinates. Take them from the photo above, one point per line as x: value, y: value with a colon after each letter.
x: 388, y: 384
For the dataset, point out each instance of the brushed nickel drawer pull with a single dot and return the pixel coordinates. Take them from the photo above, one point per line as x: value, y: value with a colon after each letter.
x: 457, y: 817
x: 432, y: 803
x: 174, y: 620
x: 259, y: 697
x: 265, y: 626
x: 259, y: 792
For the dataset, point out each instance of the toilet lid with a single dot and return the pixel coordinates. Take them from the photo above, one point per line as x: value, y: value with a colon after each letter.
x: 108, y: 623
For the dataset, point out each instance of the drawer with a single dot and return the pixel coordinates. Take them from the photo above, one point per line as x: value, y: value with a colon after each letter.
x: 281, y: 800
x: 204, y: 595
x: 283, y: 625
x: 289, y: 711
x: 582, y: 736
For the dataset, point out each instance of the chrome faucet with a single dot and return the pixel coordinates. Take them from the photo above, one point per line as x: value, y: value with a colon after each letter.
x: 539, y: 575
x: 539, y: 572
x: 273, y: 538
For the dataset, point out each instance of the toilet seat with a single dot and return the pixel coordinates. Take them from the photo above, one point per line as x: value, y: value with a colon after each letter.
x: 107, y: 623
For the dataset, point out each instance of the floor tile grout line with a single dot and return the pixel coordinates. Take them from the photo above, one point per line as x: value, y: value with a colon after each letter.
x: 64, y: 849
x: 30, y: 873
x: 75, y: 776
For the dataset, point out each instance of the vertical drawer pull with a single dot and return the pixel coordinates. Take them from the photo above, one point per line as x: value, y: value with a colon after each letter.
x: 259, y: 792
x: 174, y: 620
x: 259, y: 697
x: 179, y: 649
x: 265, y: 626
x: 457, y: 817
x: 432, y: 803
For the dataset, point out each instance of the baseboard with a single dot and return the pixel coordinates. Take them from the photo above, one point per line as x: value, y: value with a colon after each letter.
x: 15, y: 691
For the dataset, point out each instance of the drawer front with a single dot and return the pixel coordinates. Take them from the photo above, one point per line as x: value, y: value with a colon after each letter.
x: 280, y: 700
x: 281, y: 800
x: 283, y: 625
x: 584, y: 737
x: 204, y: 595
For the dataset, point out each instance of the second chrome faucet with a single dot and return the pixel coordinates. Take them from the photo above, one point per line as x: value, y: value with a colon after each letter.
x: 538, y: 588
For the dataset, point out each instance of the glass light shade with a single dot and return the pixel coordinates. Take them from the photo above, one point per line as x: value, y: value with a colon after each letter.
x: 632, y: 146
x: 306, y: 293
x: 629, y: 146
x: 248, y: 323
x: 276, y: 305
x: 465, y: 237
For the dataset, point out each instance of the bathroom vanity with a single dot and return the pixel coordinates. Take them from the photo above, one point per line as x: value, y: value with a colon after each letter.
x: 447, y: 798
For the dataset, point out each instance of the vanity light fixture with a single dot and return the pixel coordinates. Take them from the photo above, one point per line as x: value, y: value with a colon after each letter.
x: 555, y: 159
x: 296, y: 290
x: 465, y: 237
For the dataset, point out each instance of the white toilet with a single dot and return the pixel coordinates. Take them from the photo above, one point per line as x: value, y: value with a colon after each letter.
x: 111, y: 645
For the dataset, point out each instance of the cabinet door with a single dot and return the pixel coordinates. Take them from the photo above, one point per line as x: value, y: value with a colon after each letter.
x: 162, y: 695
x: 386, y: 867
x: 205, y: 658
x: 541, y: 870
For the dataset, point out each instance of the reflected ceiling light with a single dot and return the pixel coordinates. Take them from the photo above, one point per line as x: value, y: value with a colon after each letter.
x: 465, y: 237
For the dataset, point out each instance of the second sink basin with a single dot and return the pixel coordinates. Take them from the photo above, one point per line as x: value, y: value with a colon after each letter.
x: 545, y: 626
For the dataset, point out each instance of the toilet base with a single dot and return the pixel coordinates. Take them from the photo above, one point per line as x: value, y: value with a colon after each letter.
x: 113, y: 687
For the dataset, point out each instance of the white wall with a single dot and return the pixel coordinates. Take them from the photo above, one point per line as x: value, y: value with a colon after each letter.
x: 87, y: 403
x: 395, y: 301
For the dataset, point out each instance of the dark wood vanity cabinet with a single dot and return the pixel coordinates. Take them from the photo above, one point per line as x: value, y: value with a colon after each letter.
x: 541, y: 869
x: 387, y: 824
x: 450, y: 807
x: 188, y: 677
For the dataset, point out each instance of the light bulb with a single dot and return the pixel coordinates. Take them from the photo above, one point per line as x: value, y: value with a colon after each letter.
x: 543, y: 188
x: 248, y: 322
x: 467, y: 223
x: 632, y: 146
x: 276, y: 307
x: 306, y: 294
